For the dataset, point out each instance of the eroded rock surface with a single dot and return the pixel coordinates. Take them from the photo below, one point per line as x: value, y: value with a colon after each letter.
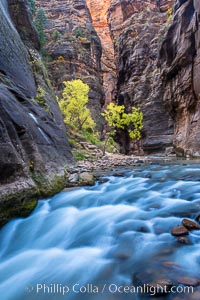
x: 33, y: 142
x: 180, y: 64
x: 99, y: 13
x: 137, y: 27
x: 77, y: 53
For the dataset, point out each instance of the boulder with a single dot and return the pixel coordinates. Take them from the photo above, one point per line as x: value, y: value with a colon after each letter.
x: 190, y: 225
x: 86, y: 178
x: 161, y: 287
x: 73, y: 178
x: 189, y: 281
x: 179, y: 231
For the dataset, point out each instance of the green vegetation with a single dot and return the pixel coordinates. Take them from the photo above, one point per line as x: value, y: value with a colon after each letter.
x: 170, y: 15
x: 40, y: 23
x: 73, y: 105
x: 84, y: 40
x: 78, y: 155
x: 78, y: 32
x: 77, y: 141
x: 40, y: 97
x: 117, y: 118
x: 78, y: 120
x: 32, y: 6
x: 47, y: 187
x: 56, y: 35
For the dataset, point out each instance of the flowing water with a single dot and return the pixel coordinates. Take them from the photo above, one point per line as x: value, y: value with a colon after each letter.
x: 87, y: 242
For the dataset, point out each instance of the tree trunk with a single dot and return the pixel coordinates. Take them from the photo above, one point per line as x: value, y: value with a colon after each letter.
x: 104, y: 148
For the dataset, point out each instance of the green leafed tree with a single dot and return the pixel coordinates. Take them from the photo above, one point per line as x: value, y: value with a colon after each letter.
x: 117, y: 118
x: 40, y: 23
x: 32, y: 6
x: 73, y: 105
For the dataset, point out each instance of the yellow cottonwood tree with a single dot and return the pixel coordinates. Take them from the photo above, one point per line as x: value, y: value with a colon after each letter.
x: 117, y: 118
x: 73, y: 105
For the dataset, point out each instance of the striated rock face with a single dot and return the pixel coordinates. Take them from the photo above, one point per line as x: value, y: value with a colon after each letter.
x: 33, y: 143
x: 113, y: 46
x: 77, y: 53
x: 137, y: 28
x: 180, y: 64
x: 98, y: 10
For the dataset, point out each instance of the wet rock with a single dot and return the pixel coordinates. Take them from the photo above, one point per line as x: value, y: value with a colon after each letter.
x: 162, y: 179
x: 161, y: 287
x: 148, y: 175
x: 190, y: 225
x: 139, y: 161
x: 73, y: 178
x: 169, y: 151
x: 103, y: 180
x: 69, y: 189
x: 197, y: 218
x: 33, y: 143
x: 171, y: 264
x: 118, y: 174
x: 189, y: 281
x: 143, y: 229
x: 179, y: 231
x: 86, y: 178
x: 184, y: 240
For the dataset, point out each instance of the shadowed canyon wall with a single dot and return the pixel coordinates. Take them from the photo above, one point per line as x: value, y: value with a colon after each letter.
x: 33, y: 142
x: 180, y: 64
x: 114, y: 46
x: 137, y: 29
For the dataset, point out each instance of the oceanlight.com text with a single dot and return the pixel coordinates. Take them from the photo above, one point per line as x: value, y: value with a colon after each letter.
x: 62, y: 289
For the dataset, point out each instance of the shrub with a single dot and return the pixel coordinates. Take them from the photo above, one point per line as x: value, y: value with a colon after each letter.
x: 56, y: 35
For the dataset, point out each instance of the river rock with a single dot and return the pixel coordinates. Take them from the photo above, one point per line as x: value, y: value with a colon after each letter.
x: 171, y: 264
x: 169, y: 151
x: 86, y: 178
x: 189, y: 281
x: 103, y: 180
x: 179, y: 231
x: 198, y: 218
x: 190, y: 225
x: 184, y: 240
x: 161, y: 287
x: 73, y: 178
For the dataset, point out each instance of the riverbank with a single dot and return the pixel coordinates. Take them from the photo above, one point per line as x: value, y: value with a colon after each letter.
x: 22, y: 201
x: 87, y: 172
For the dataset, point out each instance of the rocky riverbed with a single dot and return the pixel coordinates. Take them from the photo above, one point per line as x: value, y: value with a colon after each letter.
x: 87, y: 172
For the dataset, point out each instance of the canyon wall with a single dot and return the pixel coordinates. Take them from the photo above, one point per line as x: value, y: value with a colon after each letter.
x: 99, y: 10
x: 33, y: 142
x: 180, y: 64
x: 113, y: 46
x: 77, y: 52
x: 117, y: 55
x: 137, y: 29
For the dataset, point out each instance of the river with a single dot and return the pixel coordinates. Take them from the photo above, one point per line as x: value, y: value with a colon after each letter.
x: 92, y: 242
